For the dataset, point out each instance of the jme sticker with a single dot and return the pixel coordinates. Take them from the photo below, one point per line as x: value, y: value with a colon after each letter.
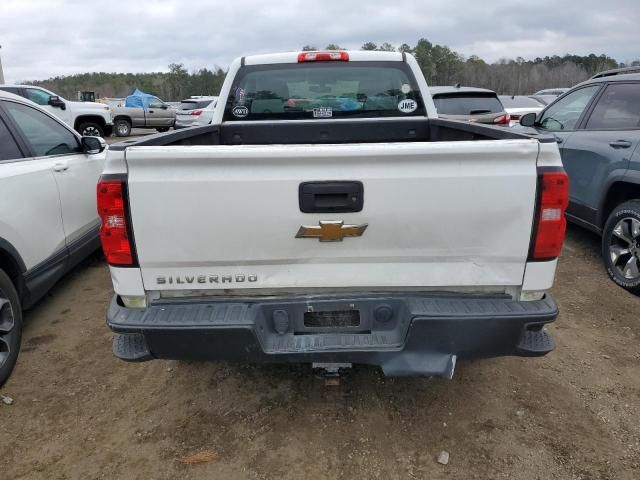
x: 407, y: 106
x: 322, y: 112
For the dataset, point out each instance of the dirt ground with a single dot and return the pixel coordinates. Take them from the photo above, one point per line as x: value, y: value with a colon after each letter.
x: 78, y: 413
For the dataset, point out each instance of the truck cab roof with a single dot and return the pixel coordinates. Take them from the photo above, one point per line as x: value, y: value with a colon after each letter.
x: 352, y: 55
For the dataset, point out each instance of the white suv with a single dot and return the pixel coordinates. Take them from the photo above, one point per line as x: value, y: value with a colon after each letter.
x: 87, y: 118
x: 48, y: 215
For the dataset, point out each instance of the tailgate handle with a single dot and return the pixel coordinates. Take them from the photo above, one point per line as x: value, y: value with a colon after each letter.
x: 331, y: 196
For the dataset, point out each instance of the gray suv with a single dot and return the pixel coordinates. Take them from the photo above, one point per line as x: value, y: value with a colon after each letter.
x: 597, y: 127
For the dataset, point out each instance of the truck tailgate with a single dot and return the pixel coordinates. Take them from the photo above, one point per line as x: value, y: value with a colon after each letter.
x: 439, y: 214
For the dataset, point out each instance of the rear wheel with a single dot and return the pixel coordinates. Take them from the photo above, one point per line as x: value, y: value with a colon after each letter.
x: 90, y: 129
x: 122, y: 127
x: 162, y: 129
x: 10, y: 326
x: 621, y: 245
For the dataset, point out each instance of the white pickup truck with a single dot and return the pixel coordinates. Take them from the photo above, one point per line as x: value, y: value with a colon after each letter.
x: 328, y: 216
x: 87, y: 118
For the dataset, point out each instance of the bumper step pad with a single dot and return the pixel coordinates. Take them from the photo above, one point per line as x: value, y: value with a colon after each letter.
x: 131, y: 347
x: 535, y: 343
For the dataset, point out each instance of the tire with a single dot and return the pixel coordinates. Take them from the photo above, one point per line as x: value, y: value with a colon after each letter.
x: 621, y: 246
x: 162, y: 129
x: 122, y: 128
x: 10, y: 326
x: 90, y: 129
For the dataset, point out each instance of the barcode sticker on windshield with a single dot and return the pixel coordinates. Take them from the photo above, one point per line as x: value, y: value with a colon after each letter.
x: 407, y: 106
x: 322, y: 112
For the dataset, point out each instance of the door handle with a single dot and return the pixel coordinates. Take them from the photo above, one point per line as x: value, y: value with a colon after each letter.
x: 150, y: 111
x: 331, y: 197
x: 60, y: 167
x: 620, y: 144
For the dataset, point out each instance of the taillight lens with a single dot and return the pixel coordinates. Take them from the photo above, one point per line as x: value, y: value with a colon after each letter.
x: 114, y: 233
x: 195, y: 112
x: 551, y: 224
x: 514, y: 117
x: 323, y: 57
x: 503, y: 119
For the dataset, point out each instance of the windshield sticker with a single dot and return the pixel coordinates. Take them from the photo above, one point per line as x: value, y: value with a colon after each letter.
x: 405, y: 88
x: 240, y: 111
x: 322, y: 112
x: 407, y: 106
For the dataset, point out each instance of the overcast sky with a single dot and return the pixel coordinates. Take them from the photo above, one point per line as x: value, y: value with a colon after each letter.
x: 41, y: 39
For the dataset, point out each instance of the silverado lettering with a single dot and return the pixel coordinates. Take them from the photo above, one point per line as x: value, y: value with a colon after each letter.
x: 182, y: 279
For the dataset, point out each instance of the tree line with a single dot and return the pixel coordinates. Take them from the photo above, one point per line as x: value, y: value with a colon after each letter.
x: 440, y: 65
x: 443, y: 66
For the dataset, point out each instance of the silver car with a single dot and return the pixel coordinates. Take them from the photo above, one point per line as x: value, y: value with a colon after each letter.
x: 190, y: 110
x: 469, y: 104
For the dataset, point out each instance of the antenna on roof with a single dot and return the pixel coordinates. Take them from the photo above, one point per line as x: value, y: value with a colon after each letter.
x: 457, y: 85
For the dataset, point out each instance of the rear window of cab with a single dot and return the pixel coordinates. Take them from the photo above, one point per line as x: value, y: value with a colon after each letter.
x: 322, y: 90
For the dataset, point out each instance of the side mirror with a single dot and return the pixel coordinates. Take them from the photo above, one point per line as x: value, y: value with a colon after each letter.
x: 93, y: 145
x: 528, y: 119
x: 55, y: 101
x: 164, y: 106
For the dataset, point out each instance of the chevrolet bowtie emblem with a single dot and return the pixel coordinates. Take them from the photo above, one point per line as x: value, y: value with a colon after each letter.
x: 331, y: 231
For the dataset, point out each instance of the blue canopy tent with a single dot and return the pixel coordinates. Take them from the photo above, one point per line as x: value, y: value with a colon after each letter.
x: 138, y: 99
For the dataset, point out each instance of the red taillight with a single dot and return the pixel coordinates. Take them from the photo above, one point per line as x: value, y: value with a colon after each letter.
x: 514, y: 117
x: 550, y: 224
x: 195, y: 112
x: 323, y: 57
x: 114, y: 233
x: 503, y: 119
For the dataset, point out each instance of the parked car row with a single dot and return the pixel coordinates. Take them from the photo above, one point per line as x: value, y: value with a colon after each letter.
x: 141, y: 110
x: 138, y: 110
x: 148, y: 111
x: 485, y: 106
